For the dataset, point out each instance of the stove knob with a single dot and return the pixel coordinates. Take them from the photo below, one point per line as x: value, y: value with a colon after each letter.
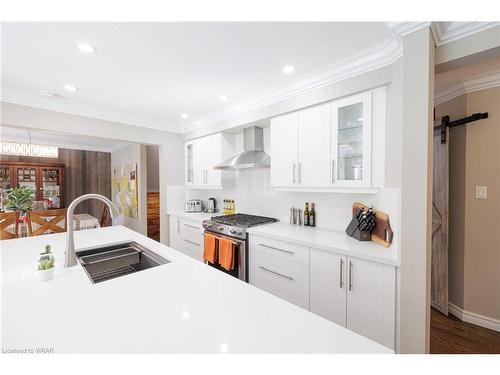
x: 235, y: 232
x: 221, y: 228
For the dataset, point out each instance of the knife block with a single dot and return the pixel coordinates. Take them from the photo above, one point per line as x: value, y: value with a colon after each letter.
x: 353, y: 231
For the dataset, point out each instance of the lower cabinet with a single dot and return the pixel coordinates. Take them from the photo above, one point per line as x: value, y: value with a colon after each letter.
x: 328, y: 288
x: 186, y: 236
x: 285, y: 279
x: 355, y: 293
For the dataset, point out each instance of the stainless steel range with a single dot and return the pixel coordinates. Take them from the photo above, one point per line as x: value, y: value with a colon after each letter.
x: 234, y: 227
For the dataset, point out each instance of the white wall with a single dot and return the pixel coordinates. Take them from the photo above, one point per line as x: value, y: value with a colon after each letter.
x: 416, y: 191
x: 171, y: 146
x: 134, y: 154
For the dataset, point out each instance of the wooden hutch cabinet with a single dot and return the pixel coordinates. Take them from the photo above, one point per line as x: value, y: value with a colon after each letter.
x: 47, y: 179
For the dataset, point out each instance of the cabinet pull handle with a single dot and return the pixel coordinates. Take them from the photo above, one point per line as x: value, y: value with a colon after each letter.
x: 276, y: 248
x: 333, y: 171
x: 300, y: 173
x: 178, y: 226
x: 276, y: 273
x: 192, y: 243
x: 191, y: 226
x: 350, y: 275
x: 341, y: 273
x: 293, y: 169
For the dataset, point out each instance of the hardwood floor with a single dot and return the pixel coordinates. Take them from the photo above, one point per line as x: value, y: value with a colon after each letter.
x: 449, y: 335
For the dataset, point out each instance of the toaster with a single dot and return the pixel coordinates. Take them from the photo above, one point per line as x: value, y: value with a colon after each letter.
x: 193, y: 205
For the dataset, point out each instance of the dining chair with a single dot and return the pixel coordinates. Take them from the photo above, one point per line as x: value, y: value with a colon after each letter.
x: 48, y: 221
x: 9, y: 221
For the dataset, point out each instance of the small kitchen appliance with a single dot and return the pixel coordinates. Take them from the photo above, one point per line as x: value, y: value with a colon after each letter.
x: 193, y: 205
x: 211, y: 205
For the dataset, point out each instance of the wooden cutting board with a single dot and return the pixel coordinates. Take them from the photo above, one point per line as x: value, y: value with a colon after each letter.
x: 382, y: 232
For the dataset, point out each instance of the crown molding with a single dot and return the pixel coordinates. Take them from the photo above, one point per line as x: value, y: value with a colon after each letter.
x: 480, y: 82
x: 63, y: 105
x: 404, y: 28
x: 375, y: 57
x: 446, y: 32
x: 378, y: 56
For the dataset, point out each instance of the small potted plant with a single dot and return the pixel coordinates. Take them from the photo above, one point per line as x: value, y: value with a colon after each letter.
x: 46, y: 265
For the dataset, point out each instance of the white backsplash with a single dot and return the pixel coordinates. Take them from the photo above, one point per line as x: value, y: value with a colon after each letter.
x: 253, y: 195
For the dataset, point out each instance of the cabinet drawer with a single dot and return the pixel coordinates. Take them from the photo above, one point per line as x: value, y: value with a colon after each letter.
x: 190, y: 226
x: 187, y: 237
x: 284, y: 279
x: 280, y: 249
x: 194, y: 248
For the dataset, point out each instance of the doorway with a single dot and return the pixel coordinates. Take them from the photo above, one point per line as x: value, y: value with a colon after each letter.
x: 465, y: 282
x: 153, y: 193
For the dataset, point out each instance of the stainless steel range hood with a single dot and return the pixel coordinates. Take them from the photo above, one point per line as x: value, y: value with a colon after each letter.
x: 253, y: 156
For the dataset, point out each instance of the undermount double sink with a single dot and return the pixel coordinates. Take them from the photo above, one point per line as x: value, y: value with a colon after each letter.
x: 109, y: 262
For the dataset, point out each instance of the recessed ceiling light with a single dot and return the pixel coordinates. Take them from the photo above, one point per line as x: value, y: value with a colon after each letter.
x: 49, y: 94
x: 87, y: 48
x: 184, y: 115
x: 71, y: 88
x: 223, y: 98
x: 288, y: 69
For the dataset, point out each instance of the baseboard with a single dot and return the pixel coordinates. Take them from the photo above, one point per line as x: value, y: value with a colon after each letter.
x: 473, y: 318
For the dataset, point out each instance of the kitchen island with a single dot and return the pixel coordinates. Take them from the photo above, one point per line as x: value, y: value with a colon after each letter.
x: 183, y: 306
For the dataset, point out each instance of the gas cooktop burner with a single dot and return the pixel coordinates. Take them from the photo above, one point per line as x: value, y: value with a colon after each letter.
x: 242, y: 220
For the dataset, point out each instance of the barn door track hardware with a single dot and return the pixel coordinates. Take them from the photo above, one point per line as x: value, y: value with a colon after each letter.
x: 445, y: 123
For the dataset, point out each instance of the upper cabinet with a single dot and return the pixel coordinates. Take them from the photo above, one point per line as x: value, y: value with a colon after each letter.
x: 284, y: 141
x: 351, y: 141
x: 334, y: 145
x: 201, y: 155
x: 300, y: 146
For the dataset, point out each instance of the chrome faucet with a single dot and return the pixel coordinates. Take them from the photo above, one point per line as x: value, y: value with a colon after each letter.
x: 70, y: 258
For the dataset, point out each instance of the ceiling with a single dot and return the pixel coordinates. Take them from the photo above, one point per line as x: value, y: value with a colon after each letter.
x: 62, y: 140
x: 148, y: 74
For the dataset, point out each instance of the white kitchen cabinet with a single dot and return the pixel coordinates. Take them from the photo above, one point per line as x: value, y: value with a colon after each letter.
x: 300, y: 145
x: 351, y: 141
x: 328, y: 285
x: 355, y: 293
x: 201, y: 155
x: 313, y: 164
x: 186, y: 236
x: 284, y: 148
x: 330, y: 147
x: 280, y: 268
x: 371, y: 300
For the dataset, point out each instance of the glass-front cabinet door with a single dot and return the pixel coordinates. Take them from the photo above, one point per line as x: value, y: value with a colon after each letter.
x: 351, y: 141
x: 50, y: 188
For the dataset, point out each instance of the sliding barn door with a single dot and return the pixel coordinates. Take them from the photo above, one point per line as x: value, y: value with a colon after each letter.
x: 439, y: 276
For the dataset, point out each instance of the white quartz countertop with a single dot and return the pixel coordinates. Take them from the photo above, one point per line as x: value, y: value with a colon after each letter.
x: 194, y: 216
x: 181, y: 307
x: 331, y: 240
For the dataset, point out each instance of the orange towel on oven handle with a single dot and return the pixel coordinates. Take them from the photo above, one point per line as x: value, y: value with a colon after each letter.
x: 226, y: 254
x: 210, y: 248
